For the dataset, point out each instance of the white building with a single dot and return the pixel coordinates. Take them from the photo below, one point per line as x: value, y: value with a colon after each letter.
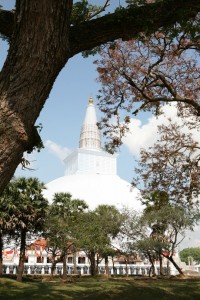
x: 91, y: 173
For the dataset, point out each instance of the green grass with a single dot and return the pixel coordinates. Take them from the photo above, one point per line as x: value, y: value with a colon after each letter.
x: 101, y: 289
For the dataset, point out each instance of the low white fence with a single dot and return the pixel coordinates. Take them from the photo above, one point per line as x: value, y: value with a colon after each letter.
x: 40, y: 268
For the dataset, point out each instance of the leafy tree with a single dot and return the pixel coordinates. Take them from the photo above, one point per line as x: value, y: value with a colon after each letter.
x: 130, y: 231
x: 94, y: 232
x: 26, y: 208
x: 171, y: 166
x: 62, y: 214
x: 133, y: 239
x: 147, y: 247
x: 168, y: 173
x: 146, y: 73
x: 91, y: 238
x: 167, y: 229
x: 154, y: 203
x: 113, y: 220
x: 7, y: 225
x: 111, y: 217
x: 188, y: 253
x: 43, y: 35
x: 158, y: 231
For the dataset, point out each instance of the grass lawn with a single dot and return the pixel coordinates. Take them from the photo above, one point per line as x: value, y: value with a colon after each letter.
x: 101, y: 289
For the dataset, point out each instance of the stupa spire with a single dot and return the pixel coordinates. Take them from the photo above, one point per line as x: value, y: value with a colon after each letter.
x: 91, y: 100
x: 90, y: 137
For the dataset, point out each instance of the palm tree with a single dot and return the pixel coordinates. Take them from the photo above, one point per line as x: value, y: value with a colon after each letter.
x: 66, y: 207
x: 7, y: 224
x: 26, y: 211
x: 31, y: 212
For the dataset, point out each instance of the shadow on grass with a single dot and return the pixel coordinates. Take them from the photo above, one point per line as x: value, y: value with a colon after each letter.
x: 101, y: 290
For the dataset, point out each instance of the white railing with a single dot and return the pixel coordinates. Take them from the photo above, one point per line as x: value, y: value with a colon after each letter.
x: 82, y: 269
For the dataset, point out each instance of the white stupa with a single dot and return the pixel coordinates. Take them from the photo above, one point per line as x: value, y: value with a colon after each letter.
x: 91, y: 173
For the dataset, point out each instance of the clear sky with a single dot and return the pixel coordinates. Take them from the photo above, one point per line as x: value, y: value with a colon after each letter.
x: 63, y: 114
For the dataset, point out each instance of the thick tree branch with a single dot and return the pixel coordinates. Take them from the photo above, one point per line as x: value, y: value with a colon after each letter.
x: 128, y: 23
x: 6, y: 22
x: 125, y: 24
x: 190, y: 102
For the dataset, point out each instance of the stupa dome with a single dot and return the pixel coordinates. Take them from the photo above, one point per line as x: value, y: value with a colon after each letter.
x: 96, y: 189
x: 91, y: 173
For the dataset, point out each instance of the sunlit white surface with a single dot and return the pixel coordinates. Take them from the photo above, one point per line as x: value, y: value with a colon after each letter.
x: 96, y: 189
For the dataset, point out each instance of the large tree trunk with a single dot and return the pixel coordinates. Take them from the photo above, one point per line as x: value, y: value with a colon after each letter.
x: 161, y: 265
x: 53, y: 260
x: 126, y: 262
x: 38, y: 50
x: 64, y: 266
x: 22, y: 256
x: 106, y: 265
x: 53, y: 267
x: 74, y: 260
x: 93, y: 263
x: 113, y: 265
x: 152, y: 268
x: 1, y: 253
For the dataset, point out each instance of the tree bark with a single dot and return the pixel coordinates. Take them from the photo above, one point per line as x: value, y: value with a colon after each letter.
x: 152, y: 268
x: 161, y: 265
x: 22, y: 256
x: 113, y: 265
x: 127, y: 24
x: 174, y: 264
x: 106, y: 265
x: 75, y: 264
x: 41, y: 42
x: 64, y: 266
x: 126, y: 262
x: 1, y: 253
x: 53, y: 266
x: 39, y: 48
x: 92, y: 263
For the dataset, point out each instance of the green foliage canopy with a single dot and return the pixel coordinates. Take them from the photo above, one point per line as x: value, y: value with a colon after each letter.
x: 189, y: 254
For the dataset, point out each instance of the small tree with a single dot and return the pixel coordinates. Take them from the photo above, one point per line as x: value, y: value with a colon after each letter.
x: 154, y: 202
x: 171, y: 166
x: 130, y: 231
x: 63, y: 214
x: 168, y: 174
x: 94, y: 232
x: 188, y: 253
x: 147, y: 247
x: 167, y: 229
x: 113, y: 220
